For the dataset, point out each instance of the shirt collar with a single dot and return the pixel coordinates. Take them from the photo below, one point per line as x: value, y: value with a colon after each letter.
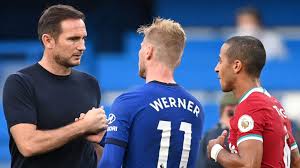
x: 255, y: 89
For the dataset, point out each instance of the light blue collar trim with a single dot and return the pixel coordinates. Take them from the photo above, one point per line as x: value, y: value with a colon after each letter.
x: 256, y: 89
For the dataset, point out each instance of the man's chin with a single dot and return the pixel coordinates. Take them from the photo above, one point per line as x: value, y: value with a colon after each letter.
x: 73, y: 64
x: 226, y: 89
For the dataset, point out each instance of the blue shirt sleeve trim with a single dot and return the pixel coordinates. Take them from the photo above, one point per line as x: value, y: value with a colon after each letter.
x: 116, y: 142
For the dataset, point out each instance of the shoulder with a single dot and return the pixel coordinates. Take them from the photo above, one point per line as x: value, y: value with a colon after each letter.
x: 30, y: 71
x: 13, y: 81
x: 83, y: 75
x: 194, y: 99
x: 257, y: 107
x: 18, y: 78
x: 127, y: 105
x: 255, y: 102
x: 188, y: 95
x: 132, y: 98
x: 23, y: 79
x: 16, y: 85
x: 85, y: 79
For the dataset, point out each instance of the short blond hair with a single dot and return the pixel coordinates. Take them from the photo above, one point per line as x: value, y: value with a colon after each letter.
x: 169, y: 39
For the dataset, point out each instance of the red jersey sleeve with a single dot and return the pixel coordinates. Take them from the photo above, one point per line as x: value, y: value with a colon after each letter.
x: 250, y: 123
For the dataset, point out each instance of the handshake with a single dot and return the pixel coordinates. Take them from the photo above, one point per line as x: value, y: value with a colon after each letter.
x: 94, y: 124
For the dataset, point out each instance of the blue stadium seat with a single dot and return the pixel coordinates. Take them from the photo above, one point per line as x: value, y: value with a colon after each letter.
x: 117, y: 71
x: 221, y: 13
x: 31, y: 50
x: 212, y: 115
x: 4, y: 138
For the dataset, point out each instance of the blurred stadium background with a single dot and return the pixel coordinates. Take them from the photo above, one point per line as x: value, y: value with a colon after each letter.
x: 112, y: 47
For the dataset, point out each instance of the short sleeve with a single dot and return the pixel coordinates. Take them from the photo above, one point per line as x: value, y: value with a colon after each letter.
x: 98, y: 90
x: 18, y: 101
x: 291, y: 140
x: 251, y: 125
x: 119, y: 121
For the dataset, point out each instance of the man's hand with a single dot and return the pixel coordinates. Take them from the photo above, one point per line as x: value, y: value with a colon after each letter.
x: 96, y: 138
x: 220, y: 140
x: 94, y: 121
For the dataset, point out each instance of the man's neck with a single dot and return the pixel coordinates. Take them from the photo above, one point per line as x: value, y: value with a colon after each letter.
x: 244, y: 85
x: 160, y: 73
x: 51, y: 66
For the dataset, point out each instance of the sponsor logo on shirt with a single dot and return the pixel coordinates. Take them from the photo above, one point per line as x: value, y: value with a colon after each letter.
x: 111, y: 118
x: 245, y: 123
x: 112, y: 128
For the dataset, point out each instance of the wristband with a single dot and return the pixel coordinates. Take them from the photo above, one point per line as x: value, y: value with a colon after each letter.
x: 215, y: 151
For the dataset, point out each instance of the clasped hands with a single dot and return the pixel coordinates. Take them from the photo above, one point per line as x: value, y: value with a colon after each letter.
x: 95, y: 123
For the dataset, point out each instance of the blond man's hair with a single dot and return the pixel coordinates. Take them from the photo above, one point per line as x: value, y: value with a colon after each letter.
x: 168, y: 37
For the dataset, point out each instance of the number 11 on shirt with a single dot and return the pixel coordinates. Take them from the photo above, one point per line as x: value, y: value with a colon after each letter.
x: 165, y: 126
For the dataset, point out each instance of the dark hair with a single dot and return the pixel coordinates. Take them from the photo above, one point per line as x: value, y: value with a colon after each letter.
x: 52, y: 17
x: 250, y: 11
x: 250, y: 51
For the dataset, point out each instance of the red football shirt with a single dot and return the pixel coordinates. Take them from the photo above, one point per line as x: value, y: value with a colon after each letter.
x: 260, y: 116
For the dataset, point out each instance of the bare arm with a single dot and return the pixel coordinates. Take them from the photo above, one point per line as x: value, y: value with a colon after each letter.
x: 31, y: 141
x: 95, y: 138
x: 295, y: 158
x: 249, y: 156
x: 99, y: 151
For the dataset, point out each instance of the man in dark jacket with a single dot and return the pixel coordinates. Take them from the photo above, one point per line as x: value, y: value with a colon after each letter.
x: 227, y: 107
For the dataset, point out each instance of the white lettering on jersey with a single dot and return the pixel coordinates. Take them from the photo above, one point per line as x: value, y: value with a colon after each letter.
x: 112, y: 128
x: 280, y: 111
x: 172, y: 102
x: 190, y: 106
x: 181, y: 103
x: 167, y: 102
x: 157, y: 105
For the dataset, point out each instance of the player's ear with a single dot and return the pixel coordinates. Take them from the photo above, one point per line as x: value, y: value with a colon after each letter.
x: 237, y: 66
x: 149, y: 52
x: 48, y: 41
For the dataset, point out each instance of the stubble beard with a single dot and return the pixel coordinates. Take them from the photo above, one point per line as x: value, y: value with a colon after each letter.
x: 227, y: 86
x: 64, y: 62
